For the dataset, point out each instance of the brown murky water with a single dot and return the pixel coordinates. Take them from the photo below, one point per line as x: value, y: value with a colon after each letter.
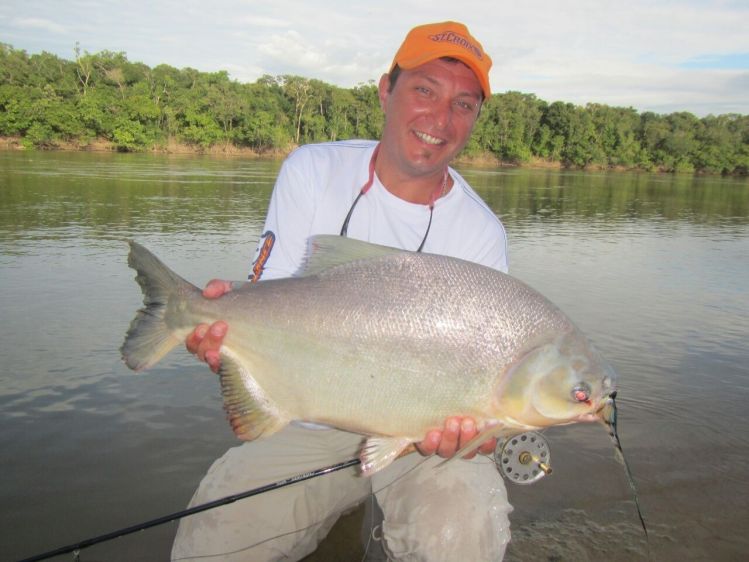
x: 653, y: 268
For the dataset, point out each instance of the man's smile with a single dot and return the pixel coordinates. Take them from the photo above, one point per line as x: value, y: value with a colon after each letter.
x: 429, y: 139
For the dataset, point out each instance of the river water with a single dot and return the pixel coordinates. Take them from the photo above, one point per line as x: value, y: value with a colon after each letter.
x: 654, y: 268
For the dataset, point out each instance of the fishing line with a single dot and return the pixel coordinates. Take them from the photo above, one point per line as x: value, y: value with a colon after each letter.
x: 193, y: 510
x: 336, y: 513
x: 610, y: 419
x: 372, y: 526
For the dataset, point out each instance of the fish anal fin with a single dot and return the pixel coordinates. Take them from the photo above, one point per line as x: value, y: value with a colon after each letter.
x: 379, y: 452
x: 250, y: 413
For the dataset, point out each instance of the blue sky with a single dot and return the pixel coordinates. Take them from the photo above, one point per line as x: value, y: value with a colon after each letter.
x: 655, y: 55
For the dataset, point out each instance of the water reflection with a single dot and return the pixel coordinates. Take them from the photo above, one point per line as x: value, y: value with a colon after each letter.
x: 554, y: 195
x: 653, y: 268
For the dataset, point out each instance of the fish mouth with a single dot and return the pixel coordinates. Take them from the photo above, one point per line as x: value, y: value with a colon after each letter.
x: 607, y: 412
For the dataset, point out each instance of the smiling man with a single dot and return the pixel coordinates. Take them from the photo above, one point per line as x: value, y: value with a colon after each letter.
x: 397, y: 192
x: 429, y: 117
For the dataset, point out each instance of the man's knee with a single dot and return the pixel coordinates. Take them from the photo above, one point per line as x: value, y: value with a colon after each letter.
x: 455, y: 512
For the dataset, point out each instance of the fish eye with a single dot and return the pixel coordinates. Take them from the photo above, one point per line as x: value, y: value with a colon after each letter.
x: 581, y: 392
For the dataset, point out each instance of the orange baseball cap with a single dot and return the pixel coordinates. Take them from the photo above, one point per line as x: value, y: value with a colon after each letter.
x: 447, y: 39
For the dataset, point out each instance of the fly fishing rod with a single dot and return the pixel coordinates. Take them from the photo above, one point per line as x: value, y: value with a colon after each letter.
x: 192, y: 510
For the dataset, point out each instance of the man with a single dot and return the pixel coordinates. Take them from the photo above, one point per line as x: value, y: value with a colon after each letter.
x: 398, y: 192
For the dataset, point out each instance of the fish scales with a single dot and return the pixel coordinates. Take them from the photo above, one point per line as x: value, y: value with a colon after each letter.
x: 383, y: 342
x: 383, y: 326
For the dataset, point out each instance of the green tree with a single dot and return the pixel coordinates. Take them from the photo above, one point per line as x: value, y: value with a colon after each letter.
x: 340, y: 105
x: 508, y: 125
x: 225, y: 104
x: 266, y: 124
x: 616, y: 133
x: 367, y: 118
x: 572, y: 127
x: 16, y: 110
x: 14, y: 66
x: 47, y: 100
x: 299, y: 92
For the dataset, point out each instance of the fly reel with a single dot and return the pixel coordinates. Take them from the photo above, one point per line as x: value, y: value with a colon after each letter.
x: 524, y: 458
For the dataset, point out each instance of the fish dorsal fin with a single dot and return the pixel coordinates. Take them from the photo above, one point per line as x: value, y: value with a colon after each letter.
x: 325, y: 251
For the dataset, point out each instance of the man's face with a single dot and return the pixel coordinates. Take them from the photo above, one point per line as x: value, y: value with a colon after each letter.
x: 429, y: 115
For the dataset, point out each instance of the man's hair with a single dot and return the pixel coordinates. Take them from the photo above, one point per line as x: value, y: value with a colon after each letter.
x: 393, y: 75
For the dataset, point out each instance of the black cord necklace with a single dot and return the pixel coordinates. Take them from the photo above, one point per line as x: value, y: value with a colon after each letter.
x: 436, y: 194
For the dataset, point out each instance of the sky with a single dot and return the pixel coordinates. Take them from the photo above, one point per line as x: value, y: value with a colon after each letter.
x: 652, y: 55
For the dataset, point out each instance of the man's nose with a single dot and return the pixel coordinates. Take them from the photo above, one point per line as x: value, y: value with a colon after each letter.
x: 442, y: 110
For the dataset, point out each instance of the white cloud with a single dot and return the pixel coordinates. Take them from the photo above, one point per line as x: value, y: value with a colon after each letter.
x: 262, y: 21
x: 292, y: 50
x: 606, y: 51
x: 39, y: 23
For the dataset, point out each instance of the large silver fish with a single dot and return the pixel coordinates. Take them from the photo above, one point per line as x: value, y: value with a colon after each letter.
x: 382, y: 342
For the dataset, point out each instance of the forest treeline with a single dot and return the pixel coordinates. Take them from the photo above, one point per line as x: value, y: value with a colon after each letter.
x: 47, y: 102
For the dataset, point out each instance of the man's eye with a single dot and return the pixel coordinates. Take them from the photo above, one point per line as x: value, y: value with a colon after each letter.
x: 466, y: 106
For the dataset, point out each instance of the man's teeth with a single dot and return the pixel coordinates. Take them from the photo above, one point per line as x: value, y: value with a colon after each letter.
x: 429, y: 138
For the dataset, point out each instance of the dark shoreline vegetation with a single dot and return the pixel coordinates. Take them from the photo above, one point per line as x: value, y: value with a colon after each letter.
x: 102, y: 101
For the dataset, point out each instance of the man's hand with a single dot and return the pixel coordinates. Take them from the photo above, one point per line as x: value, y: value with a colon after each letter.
x: 453, y: 437
x: 205, y: 341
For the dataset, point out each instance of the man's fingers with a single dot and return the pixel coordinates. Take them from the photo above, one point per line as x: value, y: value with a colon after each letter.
x: 215, y: 288
x: 450, y: 438
x: 209, y: 347
x: 192, y: 343
x: 487, y: 448
x: 455, y: 435
x: 430, y: 443
x: 467, y: 432
x: 213, y: 358
x: 213, y: 338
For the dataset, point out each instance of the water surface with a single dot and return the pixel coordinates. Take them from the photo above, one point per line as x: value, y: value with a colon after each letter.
x: 654, y: 268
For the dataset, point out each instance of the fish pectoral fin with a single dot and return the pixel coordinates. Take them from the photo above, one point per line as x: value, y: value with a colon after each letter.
x: 250, y: 412
x: 379, y: 452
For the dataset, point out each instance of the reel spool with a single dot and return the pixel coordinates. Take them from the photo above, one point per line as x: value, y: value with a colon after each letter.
x: 524, y: 458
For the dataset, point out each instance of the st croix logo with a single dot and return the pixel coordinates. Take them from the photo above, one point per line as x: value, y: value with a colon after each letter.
x: 452, y: 37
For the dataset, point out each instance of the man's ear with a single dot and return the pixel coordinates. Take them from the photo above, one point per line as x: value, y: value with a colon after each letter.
x: 383, y: 90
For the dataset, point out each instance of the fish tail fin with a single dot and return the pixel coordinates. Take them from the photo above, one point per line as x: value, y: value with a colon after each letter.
x: 149, y: 338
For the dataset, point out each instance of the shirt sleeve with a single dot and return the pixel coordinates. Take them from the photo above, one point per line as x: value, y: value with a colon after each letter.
x: 493, y: 253
x: 283, y: 242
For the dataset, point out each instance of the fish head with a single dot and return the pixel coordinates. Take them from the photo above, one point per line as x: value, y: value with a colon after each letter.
x: 555, y: 382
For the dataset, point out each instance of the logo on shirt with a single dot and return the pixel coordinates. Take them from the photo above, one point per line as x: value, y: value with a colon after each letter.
x: 262, y: 256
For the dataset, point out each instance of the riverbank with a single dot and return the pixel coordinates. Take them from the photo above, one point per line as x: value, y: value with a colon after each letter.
x: 170, y: 147
x: 482, y: 160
